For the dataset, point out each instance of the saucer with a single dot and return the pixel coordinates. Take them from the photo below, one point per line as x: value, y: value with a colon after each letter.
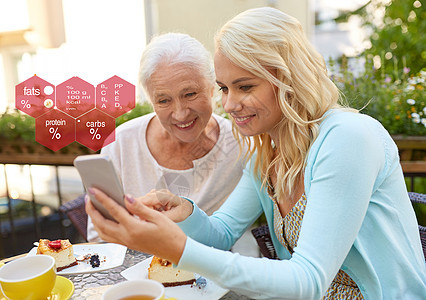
x: 63, y: 289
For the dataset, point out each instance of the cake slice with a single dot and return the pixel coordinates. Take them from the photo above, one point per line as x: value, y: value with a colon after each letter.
x: 61, y: 250
x: 162, y: 271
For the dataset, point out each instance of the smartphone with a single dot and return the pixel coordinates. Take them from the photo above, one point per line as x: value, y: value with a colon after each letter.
x: 97, y: 170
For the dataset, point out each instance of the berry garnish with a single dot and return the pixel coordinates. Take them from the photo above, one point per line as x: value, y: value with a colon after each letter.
x: 55, y: 244
x: 94, y: 261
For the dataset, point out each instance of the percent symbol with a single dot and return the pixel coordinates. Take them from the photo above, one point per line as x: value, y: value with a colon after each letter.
x: 26, y: 103
x: 95, y: 134
x: 70, y: 87
x: 56, y: 134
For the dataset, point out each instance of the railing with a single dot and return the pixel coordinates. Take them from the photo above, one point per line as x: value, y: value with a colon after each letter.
x: 413, y: 170
x: 41, y: 221
x: 412, y: 152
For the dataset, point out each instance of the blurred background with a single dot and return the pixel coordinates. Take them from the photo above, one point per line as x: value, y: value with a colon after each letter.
x: 374, y: 51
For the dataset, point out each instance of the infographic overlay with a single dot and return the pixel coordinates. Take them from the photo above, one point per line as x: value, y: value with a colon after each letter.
x: 75, y: 110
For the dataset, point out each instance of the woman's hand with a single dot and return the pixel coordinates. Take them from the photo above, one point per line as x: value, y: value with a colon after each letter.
x: 176, y: 208
x: 152, y: 233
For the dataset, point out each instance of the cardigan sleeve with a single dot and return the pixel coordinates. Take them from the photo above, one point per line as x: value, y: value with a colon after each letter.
x: 225, y: 226
x: 342, y: 168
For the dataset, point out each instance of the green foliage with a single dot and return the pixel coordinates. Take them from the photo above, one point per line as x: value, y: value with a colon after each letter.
x: 396, y: 33
x: 399, y: 104
x: 15, y: 125
x: 399, y: 36
x: 139, y: 110
x: 390, y: 86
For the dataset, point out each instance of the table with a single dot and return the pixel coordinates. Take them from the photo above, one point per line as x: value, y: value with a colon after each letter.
x: 90, y: 286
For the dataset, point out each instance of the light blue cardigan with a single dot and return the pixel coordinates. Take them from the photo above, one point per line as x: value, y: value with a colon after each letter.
x: 358, y: 218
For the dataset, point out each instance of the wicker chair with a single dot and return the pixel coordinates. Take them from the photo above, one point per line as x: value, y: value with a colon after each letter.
x: 263, y: 237
x: 76, y: 212
x: 420, y: 198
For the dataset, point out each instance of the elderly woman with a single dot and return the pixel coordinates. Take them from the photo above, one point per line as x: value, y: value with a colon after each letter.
x: 182, y: 146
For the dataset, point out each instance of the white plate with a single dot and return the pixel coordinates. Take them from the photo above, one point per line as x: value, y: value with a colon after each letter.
x: 110, y: 256
x: 188, y: 292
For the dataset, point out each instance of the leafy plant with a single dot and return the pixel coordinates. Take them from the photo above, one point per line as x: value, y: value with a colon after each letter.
x: 395, y: 30
x: 398, y: 35
x: 139, y: 110
x: 399, y: 104
x: 16, y: 125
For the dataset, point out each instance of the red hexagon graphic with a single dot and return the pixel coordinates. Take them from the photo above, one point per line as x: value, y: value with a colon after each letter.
x: 75, y: 96
x: 35, y: 96
x: 115, y: 96
x: 55, y: 129
x: 95, y: 129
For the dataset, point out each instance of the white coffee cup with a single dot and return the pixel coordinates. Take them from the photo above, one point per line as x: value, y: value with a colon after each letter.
x: 146, y: 287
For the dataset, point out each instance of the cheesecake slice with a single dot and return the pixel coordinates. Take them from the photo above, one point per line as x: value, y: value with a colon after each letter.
x: 162, y: 270
x: 61, y: 250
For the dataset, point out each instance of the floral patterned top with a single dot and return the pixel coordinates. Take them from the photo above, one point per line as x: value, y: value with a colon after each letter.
x: 287, y: 230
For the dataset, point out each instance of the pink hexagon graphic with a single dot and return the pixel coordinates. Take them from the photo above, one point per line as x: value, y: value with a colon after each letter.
x: 35, y: 96
x: 95, y: 129
x: 75, y: 96
x: 115, y: 96
x: 55, y: 129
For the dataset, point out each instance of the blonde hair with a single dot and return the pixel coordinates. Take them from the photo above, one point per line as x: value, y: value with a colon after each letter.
x: 262, y: 39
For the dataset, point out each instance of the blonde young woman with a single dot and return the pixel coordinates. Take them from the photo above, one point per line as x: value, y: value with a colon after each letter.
x: 327, y: 178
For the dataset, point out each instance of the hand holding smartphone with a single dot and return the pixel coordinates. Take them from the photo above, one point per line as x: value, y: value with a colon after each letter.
x: 97, y: 170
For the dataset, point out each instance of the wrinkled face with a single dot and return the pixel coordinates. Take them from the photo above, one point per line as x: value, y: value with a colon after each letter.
x: 250, y: 100
x: 181, y: 98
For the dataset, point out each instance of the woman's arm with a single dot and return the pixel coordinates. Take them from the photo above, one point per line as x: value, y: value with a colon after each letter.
x: 222, y: 229
x: 158, y: 209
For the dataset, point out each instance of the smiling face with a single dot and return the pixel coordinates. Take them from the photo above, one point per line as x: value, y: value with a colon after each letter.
x: 181, y: 98
x: 250, y: 100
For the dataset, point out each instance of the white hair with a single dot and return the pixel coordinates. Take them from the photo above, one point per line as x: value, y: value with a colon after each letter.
x: 175, y: 48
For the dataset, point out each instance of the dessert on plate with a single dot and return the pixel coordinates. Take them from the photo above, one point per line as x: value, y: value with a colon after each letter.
x: 61, y: 250
x: 163, y: 271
